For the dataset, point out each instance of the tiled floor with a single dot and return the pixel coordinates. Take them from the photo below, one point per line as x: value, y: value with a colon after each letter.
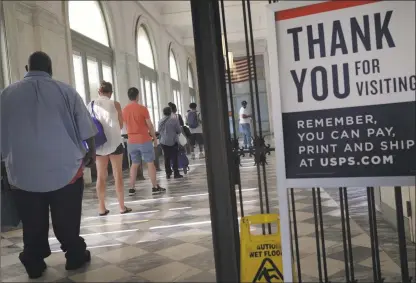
x: 168, y: 238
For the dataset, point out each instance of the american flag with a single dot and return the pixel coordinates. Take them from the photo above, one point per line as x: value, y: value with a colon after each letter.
x: 240, y: 72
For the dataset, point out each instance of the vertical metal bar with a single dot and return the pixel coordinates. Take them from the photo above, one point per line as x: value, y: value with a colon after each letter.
x: 318, y: 249
x: 230, y: 90
x: 344, y: 238
x: 295, y: 232
x: 370, y: 220
x: 211, y: 80
x: 252, y: 106
x: 377, y: 251
x: 347, y: 216
x: 256, y: 88
x: 401, y: 235
x: 321, y: 223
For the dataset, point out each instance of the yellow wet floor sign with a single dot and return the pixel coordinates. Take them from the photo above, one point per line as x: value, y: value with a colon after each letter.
x: 261, y: 255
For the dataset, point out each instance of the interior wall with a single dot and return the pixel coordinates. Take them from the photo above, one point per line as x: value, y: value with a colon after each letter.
x: 43, y: 25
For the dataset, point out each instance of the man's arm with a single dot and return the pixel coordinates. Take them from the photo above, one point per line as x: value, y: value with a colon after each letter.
x: 151, y: 129
x: 86, y: 128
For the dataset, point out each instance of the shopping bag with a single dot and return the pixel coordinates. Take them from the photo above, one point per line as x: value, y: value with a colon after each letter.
x: 182, y: 139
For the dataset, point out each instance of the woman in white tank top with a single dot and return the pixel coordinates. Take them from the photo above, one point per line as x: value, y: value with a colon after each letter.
x: 109, y: 114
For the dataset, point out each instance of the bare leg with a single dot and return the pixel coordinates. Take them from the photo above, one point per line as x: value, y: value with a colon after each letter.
x: 152, y: 173
x: 102, y: 173
x: 133, y: 174
x: 117, y: 165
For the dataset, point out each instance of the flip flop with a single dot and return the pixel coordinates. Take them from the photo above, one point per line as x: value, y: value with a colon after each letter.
x: 126, y: 210
x: 105, y: 213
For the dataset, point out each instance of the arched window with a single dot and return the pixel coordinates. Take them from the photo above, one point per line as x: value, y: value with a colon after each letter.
x: 174, y: 79
x: 92, y: 55
x: 148, y: 74
x: 192, y: 92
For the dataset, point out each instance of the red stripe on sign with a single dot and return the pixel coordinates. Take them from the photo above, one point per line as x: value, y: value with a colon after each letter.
x: 319, y: 8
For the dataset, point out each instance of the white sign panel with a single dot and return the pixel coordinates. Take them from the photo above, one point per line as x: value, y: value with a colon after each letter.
x: 344, y: 88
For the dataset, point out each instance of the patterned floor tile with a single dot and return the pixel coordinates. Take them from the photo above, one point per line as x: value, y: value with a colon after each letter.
x: 204, y: 261
x: 177, y: 252
x: 119, y: 255
x: 172, y: 272
x: 168, y: 237
x: 142, y: 263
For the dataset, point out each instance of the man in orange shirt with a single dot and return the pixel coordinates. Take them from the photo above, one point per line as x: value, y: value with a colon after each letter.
x: 139, y: 145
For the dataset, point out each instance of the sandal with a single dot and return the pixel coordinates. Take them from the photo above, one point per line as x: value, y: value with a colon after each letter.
x: 126, y: 210
x: 105, y: 213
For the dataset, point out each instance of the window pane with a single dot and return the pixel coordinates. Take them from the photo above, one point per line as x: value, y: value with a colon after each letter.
x: 93, y: 77
x: 173, y: 68
x: 190, y: 77
x: 86, y: 18
x: 155, y: 96
x: 142, y: 99
x: 108, y: 76
x: 79, y: 76
x: 149, y: 100
x: 180, y: 103
x: 148, y: 94
x: 144, y: 48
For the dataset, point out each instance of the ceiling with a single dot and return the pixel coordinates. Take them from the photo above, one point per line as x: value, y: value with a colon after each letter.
x: 176, y: 17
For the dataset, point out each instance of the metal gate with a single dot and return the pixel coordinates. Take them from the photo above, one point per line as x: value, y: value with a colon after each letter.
x: 326, y: 212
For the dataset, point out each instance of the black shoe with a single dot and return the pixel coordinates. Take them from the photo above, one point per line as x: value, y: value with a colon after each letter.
x: 72, y: 265
x: 132, y: 192
x: 158, y: 190
x: 177, y: 176
x: 168, y: 176
x: 34, y: 271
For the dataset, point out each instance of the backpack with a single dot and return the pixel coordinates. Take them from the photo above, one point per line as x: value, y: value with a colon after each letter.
x: 193, y: 119
x: 100, y: 137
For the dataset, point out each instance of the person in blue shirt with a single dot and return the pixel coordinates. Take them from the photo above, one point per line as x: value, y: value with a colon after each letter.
x: 44, y: 124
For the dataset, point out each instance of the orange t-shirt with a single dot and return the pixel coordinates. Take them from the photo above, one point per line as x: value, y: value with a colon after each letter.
x: 135, y: 116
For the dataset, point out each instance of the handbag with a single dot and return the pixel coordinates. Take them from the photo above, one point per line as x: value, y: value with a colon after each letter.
x: 182, y: 139
x: 100, y: 137
x: 9, y: 214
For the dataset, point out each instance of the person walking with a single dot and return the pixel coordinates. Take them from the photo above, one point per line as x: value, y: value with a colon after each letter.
x: 109, y: 114
x: 194, y: 122
x: 140, y: 146
x: 245, y: 127
x: 176, y: 114
x: 44, y: 123
x: 169, y: 129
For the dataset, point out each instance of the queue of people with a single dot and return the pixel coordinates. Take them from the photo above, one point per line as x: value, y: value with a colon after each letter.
x: 45, y: 172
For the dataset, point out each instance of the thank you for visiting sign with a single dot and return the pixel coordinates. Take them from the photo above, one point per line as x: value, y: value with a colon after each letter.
x: 346, y: 92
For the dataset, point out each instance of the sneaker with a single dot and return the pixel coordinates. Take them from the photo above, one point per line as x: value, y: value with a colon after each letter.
x: 158, y: 190
x: 177, y: 176
x: 132, y: 192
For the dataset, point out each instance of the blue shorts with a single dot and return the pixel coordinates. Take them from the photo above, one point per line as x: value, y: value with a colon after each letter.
x: 139, y: 151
